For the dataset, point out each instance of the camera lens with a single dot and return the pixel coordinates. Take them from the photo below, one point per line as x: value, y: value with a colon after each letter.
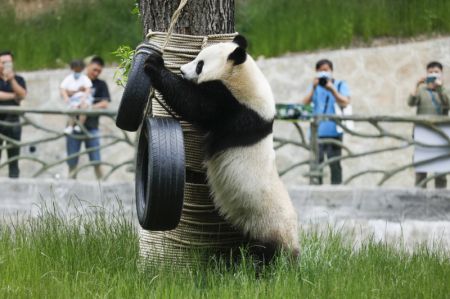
x: 430, y: 79
x: 323, y: 81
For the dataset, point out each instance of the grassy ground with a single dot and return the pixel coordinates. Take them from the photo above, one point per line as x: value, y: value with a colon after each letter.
x: 84, y: 27
x: 91, y: 257
x: 279, y: 26
x: 75, y: 30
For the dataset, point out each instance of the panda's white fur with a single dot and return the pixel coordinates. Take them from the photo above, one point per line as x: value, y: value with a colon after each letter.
x: 249, y: 193
x: 241, y: 168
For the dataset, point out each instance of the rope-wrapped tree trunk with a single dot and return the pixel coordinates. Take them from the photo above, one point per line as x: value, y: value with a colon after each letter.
x: 201, y: 229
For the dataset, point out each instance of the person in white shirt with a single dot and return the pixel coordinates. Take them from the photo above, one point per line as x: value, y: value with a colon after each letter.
x: 76, y: 92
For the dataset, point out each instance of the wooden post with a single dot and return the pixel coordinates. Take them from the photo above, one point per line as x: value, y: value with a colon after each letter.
x: 315, y: 176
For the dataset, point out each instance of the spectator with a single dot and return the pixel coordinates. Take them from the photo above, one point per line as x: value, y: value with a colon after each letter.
x: 324, y: 94
x: 76, y: 92
x: 12, y: 92
x: 101, y: 100
x: 430, y: 98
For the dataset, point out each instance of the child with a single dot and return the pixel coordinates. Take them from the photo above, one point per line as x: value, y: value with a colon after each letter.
x: 76, y: 92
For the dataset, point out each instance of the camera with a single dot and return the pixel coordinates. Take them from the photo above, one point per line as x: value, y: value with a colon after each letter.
x: 323, y: 78
x: 323, y: 81
x: 431, y: 78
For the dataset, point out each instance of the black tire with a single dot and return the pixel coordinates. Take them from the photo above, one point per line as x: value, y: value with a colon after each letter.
x: 135, y: 95
x: 160, y: 174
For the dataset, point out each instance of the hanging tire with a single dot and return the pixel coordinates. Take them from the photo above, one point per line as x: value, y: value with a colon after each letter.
x: 135, y: 95
x: 160, y: 174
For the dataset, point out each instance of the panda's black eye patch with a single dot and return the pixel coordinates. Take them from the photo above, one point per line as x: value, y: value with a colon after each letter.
x: 199, y: 67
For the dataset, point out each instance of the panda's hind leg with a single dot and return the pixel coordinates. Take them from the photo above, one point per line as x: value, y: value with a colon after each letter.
x: 263, y: 251
x: 267, y: 251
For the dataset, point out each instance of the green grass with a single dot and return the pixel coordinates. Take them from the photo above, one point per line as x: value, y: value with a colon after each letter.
x: 96, y: 256
x: 76, y: 30
x: 278, y: 26
x: 85, y: 27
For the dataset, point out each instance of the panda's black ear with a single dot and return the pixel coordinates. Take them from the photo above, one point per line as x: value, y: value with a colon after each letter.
x: 238, y: 56
x: 240, y: 41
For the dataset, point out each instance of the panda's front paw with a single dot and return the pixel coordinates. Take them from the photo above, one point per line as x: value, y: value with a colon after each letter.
x: 153, y: 63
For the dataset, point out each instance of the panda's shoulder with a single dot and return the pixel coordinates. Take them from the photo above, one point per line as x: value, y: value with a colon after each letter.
x: 219, y: 92
x: 215, y: 86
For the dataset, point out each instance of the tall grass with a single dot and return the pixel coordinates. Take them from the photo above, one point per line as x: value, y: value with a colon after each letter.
x: 84, y: 27
x: 75, y: 30
x: 95, y: 256
x: 279, y: 26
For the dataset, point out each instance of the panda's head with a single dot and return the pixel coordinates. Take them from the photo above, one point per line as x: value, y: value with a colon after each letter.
x: 216, y: 62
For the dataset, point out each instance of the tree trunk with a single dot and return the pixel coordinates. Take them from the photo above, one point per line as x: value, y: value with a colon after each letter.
x: 201, y: 226
x: 199, y: 17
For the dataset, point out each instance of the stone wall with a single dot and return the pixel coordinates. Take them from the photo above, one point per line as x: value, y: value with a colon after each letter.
x: 399, y: 216
x: 43, y: 87
x: 380, y: 79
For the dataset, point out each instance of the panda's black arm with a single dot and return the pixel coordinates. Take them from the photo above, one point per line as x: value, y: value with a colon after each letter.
x: 196, y: 103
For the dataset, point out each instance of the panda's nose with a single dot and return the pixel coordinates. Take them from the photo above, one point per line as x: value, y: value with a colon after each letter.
x: 182, y: 73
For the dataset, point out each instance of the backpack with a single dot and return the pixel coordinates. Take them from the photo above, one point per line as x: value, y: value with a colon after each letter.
x: 347, y: 111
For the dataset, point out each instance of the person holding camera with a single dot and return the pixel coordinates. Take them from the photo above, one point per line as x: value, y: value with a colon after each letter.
x: 12, y: 92
x: 327, y: 95
x: 431, y: 98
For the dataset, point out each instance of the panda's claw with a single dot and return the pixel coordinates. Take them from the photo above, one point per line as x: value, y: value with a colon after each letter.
x: 154, y: 62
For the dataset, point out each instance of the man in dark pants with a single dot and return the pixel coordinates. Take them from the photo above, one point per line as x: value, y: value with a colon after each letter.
x: 431, y: 98
x: 326, y: 94
x: 12, y: 92
x: 101, y: 101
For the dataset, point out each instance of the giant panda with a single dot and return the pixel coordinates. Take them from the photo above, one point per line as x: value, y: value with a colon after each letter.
x: 223, y: 92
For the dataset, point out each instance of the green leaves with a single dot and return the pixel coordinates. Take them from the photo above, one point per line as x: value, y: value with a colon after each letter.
x: 125, y: 55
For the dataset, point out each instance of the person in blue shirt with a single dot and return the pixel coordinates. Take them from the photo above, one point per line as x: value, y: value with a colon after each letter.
x: 324, y: 94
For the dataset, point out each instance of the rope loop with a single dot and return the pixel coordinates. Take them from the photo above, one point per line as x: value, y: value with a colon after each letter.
x: 173, y: 21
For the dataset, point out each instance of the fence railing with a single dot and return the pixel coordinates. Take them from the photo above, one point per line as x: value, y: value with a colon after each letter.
x: 379, y: 147
x: 377, y: 150
x: 43, y: 149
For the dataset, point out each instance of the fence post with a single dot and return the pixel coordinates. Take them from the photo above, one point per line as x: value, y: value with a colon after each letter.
x: 314, y: 175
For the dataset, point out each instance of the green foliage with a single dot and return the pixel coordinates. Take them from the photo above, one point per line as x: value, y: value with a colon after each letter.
x: 278, y: 26
x: 273, y: 27
x: 75, y: 30
x: 95, y: 255
x: 125, y: 56
x: 135, y: 10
